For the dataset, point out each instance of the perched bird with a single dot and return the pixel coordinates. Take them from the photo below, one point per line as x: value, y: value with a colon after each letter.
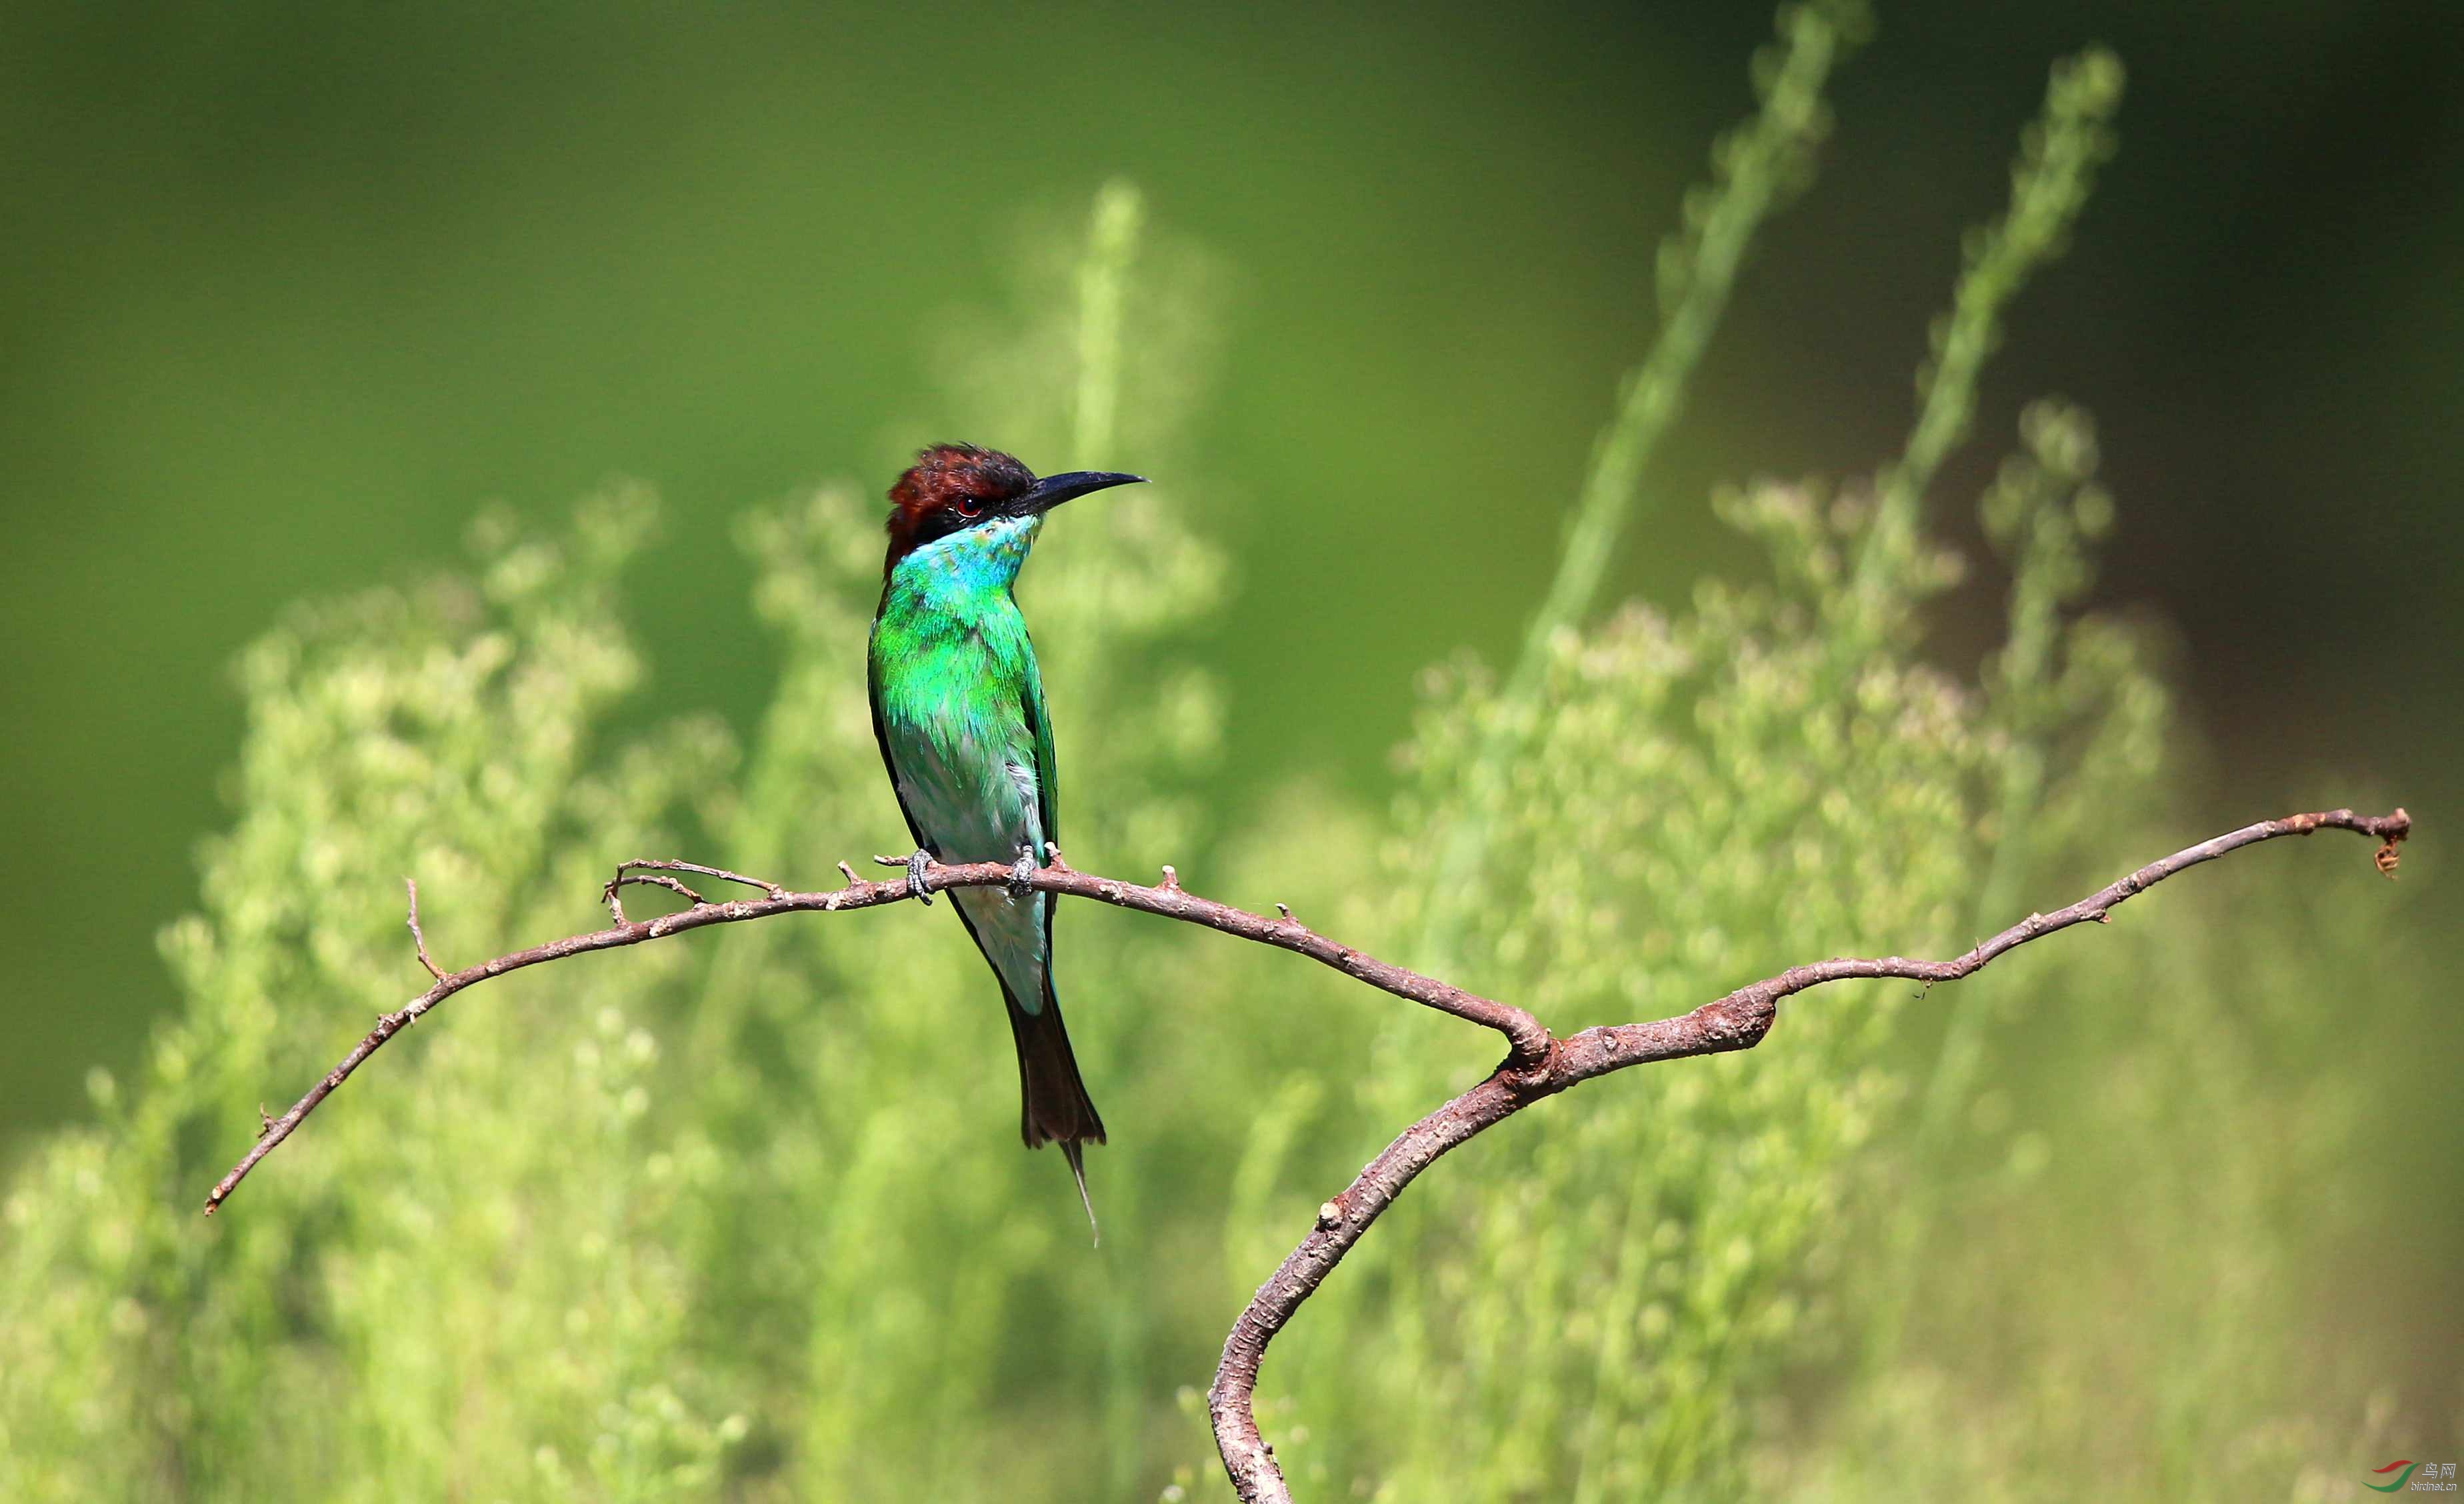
x: 957, y: 706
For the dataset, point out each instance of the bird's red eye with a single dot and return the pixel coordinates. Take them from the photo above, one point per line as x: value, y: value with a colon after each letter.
x: 967, y: 505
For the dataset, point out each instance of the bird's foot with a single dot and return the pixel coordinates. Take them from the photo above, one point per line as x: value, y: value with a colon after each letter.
x: 916, y: 862
x: 1021, y: 873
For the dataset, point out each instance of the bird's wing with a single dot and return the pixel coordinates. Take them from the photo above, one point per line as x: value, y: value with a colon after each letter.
x: 1047, y: 766
x: 1047, y: 793
x: 889, y: 763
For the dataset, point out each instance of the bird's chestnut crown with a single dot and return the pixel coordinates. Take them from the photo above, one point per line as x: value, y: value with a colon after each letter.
x: 955, y: 486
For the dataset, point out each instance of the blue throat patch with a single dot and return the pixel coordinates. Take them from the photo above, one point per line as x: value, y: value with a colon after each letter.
x: 984, y: 557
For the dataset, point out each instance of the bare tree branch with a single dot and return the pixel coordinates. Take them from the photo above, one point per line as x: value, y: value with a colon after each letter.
x: 1525, y: 1038
x: 1537, y: 1064
x: 1738, y: 1021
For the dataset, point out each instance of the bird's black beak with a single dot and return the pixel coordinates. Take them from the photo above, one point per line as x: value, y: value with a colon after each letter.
x: 1053, y: 490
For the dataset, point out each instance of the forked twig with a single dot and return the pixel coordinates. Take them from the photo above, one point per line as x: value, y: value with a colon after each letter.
x: 672, y: 864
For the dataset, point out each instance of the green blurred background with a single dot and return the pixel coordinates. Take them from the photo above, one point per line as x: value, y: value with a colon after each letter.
x: 287, y: 293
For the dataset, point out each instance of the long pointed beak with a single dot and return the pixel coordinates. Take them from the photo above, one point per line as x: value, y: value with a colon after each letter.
x: 1053, y: 490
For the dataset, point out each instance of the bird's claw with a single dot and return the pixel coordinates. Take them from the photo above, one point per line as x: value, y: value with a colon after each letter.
x: 916, y: 862
x: 1021, y: 873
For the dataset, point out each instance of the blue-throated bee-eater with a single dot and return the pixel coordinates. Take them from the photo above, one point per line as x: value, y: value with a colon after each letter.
x: 957, y: 706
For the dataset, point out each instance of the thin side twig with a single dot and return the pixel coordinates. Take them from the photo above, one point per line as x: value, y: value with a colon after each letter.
x: 1738, y: 1021
x: 672, y: 865
x: 418, y: 941
x: 624, y: 879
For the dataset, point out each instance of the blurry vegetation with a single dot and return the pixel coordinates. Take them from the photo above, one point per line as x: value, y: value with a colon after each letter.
x: 1754, y: 169
x: 740, y: 1217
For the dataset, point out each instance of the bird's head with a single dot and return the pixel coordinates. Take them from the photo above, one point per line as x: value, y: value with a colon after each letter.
x: 953, y: 487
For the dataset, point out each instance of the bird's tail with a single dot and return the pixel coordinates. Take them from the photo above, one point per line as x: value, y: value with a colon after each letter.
x: 1054, y: 1107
